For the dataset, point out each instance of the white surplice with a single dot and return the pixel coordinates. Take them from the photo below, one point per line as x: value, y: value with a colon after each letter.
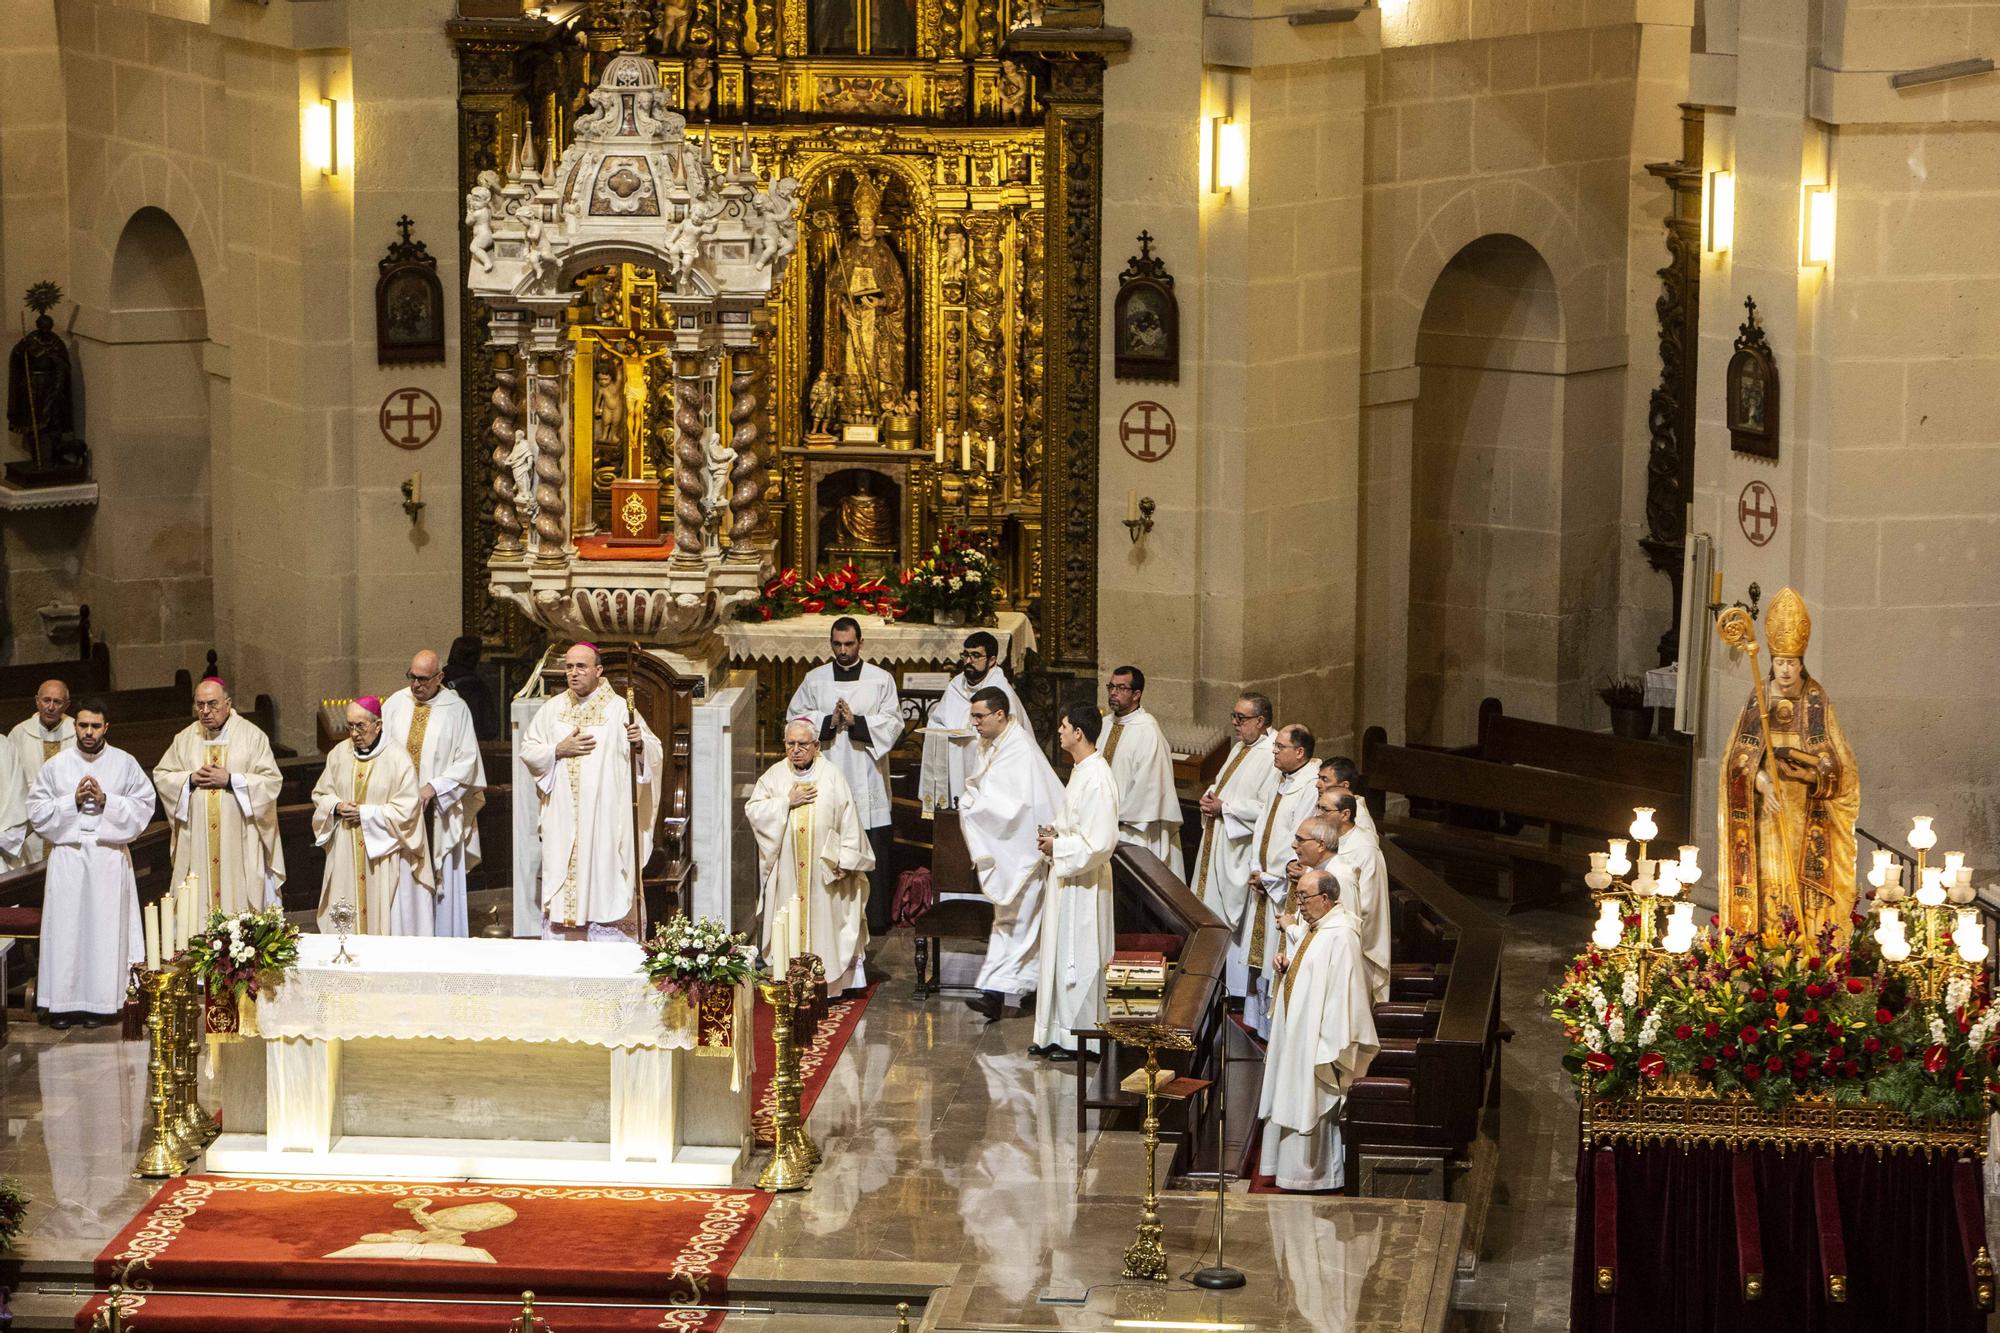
x: 1077, y: 933
x: 1222, y: 870
x: 227, y: 839
x: 1322, y: 1039
x: 34, y: 745
x: 1149, y: 806
x: 91, y: 933
x: 377, y: 865
x: 1256, y: 942
x: 1010, y: 793
x: 589, y: 873
x: 14, y: 827
x: 439, y: 739
x: 954, y: 713
x: 812, y: 863
x: 1364, y: 896
x: 873, y: 700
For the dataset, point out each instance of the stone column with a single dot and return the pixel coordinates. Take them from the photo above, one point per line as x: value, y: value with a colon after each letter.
x: 545, y: 407
x: 747, y: 482
x: 506, y: 420
x: 689, y: 482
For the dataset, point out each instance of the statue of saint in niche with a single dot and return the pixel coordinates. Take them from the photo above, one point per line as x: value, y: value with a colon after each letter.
x: 866, y: 314
x: 41, y: 391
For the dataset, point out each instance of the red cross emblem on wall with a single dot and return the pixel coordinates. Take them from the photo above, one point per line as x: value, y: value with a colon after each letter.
x: 410, y: 418
x: 1757, y: 513
x: 1147, y: 431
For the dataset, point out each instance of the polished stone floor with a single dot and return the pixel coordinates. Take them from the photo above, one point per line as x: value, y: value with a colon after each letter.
x: 952, y: 1166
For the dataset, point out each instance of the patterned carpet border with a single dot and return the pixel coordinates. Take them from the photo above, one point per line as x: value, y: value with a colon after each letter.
x: 816, y: 1062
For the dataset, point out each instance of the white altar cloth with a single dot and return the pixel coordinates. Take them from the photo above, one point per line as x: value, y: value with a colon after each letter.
x: 803, y: 639
x: 480, y: 1059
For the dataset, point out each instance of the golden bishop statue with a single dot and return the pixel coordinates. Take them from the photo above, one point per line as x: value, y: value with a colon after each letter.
x: 867, y: 309
x: 1789, y: 789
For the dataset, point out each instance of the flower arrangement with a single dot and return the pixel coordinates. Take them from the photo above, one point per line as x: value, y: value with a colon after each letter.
x: 239, y: 954
x: 957, y: 577
x: 845, y: 590
x: 684, y: 955
x: 13, y: 1209
x: 1777, y: 1016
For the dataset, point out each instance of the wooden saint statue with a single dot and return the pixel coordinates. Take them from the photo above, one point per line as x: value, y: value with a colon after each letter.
x: 867, y: 314
x: 1789, y: 790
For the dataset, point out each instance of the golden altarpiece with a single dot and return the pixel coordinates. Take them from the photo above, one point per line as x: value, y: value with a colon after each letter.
x: 927, y: 355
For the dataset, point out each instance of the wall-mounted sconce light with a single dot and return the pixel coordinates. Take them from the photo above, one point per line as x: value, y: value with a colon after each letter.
x: 1721, y: 211
x: 1816, y: 246
x: 320, y: 139
x: 1225, y: 155
x: 1139, y: 520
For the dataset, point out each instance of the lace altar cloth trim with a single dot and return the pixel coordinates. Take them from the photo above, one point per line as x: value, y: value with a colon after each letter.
x: 803, y: 639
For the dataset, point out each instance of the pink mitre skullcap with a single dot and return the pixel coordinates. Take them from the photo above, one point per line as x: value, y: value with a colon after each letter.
x: 371, y: 703
x: 217, y: 679
x: 585, y: 643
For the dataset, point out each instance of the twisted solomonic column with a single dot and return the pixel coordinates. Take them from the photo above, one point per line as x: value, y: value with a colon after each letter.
x: 506, y: 419
x: 690, y: 461
x: 545, y: 406
x: 747, y: 480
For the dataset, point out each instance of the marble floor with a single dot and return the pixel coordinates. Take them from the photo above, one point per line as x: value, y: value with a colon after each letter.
x: 952, y: 1169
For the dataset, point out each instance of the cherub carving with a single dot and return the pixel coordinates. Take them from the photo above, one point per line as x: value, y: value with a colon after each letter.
x: 777, y: 234
x: 684, y: 246
x: 1013, y: 91
x: 479, y: 217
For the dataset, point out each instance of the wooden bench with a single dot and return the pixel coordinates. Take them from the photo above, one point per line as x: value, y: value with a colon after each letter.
x: 88, y: 672
x: 147, y: 739
x: 1464, y: 807
x: 1440, y: 1061
x: 1659, y: 766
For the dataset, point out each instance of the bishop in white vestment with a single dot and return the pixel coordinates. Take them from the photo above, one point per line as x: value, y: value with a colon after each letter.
x: 1010, y: 797
x: 1230, y: 809
x: 859, y: 716
x: 1256, y: 940
x: 1322, y: 1039
x: 367, y: 815
x: 813, y: 861
x: 433, y: 726
x: 585, y: 750
x: 220, y: 784
x: 1364, y: 873
x: 980, y: 667
x: 1077, y: 932
x: 35, y: 740
x: 87, y: 804
x: 1149, y: 805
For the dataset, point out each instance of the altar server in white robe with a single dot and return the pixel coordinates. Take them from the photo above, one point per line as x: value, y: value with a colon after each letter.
x: 859, y: 716
x: 979, y: 667
x: 586, y: 750
x: 1142, y: 763
x: 1322, y: 1039
x: 87, y: 804
x: 1077, y: 932
x: 1011, y: 795
x: 14, y: 827
x: 35, y: 740
x: 1337, y: 775
x: 433, y: 726
x: 813, y: 861
x: 1364, y: 872
x: 367, y: 815
x: 220, y: 784
x: 1230, y: 809
x: 1256, y: 940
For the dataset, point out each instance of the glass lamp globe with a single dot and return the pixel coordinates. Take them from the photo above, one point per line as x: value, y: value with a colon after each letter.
x: 1643, y: 828
x: 1922, y: 836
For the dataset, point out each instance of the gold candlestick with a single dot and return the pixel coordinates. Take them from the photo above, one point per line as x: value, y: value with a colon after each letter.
x: 162, y: 1156
x: 200, y: 1125
x: 1146, y: 1256
x: 788, y: 1169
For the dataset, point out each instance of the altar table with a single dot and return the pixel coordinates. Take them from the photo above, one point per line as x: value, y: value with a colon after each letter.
x: 479, y: 1059
x: 804, y: 639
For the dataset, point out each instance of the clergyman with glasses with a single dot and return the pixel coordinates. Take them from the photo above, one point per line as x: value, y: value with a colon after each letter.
x: 1230, y: 809
x: 434, y: 727
x: 367, y: 814
x: 219, y: 784
x: 1142, y: 764
x: 946, y: 764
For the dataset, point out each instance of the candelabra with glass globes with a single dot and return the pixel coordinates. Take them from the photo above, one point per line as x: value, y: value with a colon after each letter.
x: 1625, y: 885
x: 1949, y: 939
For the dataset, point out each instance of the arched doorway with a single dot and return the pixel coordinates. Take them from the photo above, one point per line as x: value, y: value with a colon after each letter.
x: 1487, y: 504
x: 147, y: 565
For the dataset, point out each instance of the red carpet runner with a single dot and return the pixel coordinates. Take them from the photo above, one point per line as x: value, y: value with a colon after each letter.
x: 815, y: 1062
x: 350, y: 1239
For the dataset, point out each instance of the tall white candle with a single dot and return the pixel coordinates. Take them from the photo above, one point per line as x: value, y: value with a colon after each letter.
x: 152, y: 916
x: 937, y: 447
x: 965, y: 451
x: 989, y: 453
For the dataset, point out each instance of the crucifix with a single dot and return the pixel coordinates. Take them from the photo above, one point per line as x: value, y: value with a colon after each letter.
x: 633, y: 343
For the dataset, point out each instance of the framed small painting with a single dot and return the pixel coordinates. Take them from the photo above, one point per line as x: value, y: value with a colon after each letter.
x: 1146, y: 319
x: 409, y: 304
x: 1751, y: 391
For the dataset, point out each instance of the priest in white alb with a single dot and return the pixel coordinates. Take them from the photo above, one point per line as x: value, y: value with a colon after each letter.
x: 859, y: 717
x: 1364, y: 872
x: 34, y: 740
x: 1077, y: 932
x: 1011, y: 796
x: 593, y: 762
x: 88, y: 804
x: 1230, y: 809
x: 367, y: 815
x: 432, y: 725
x: 813, y: 861
x: 1142, y: 763
x: 1256, y: 937
x: 1337, y: 775
x: 1322, y: 1040
x: 220, y: 785
x: 949, y: 746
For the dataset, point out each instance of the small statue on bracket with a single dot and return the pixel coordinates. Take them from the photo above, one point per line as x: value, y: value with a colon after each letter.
x: 824, y: 402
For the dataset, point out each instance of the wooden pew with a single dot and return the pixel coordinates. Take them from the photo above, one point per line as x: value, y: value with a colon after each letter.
x: 141, y: 705
x: 21, y: 899
x: 86, y: 673
x: 147, y: 739
x: 1461, y: 808
x: 1660, y: 766
x: 1441, y: 1061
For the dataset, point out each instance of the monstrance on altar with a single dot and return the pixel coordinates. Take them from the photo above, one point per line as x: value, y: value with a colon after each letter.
x: 1783, y: 1120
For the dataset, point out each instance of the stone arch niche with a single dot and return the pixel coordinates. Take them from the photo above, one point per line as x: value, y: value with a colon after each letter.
x: 1513, y: 501
x: 147, y: 568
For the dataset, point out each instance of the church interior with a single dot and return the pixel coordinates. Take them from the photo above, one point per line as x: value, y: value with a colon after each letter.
x: 669, y: 502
